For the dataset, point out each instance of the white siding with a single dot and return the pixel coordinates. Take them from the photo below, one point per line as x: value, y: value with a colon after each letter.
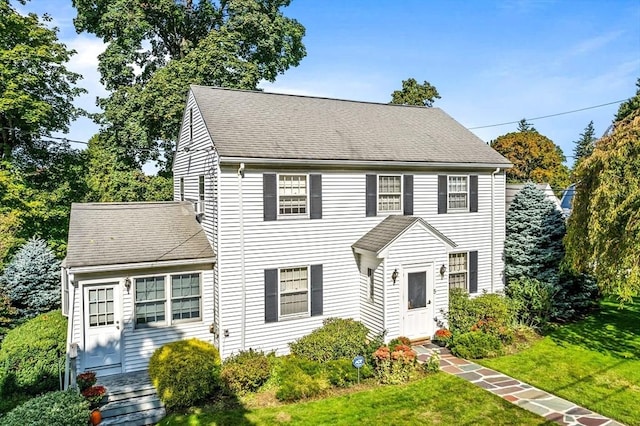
x: 371, y: 312
x: 327, y: 241
x: 138, y: 345
x: 416, y: 248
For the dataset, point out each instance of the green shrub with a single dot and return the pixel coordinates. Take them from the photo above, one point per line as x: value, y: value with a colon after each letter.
x: 32, y: 355
x: 532, y: 301
x: 433, y: 363
x: 185, y: 372
x: 59, y: 408
x: 341, y: 373
x: 300, y: 378
x: 246, y: 371
x: 336, y: 339
x: 489, y: 312
x: 476, y: 344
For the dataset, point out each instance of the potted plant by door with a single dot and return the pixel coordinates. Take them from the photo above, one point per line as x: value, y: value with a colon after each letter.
x: 442, y: 337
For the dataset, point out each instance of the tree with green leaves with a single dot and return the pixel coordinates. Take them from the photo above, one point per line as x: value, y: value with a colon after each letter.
x: 629, y: 106
x: 109, y: 180
x: 36, y: 89
x: 413, y: 93
x: 584, y: 145
x: 604, y: 227
x: 156, y: 49
x: 534, y: 157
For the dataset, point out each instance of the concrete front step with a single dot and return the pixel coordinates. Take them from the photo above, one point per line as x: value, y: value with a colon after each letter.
x: 140, y: 418
x: 123, y: 394
x: 129, y: 406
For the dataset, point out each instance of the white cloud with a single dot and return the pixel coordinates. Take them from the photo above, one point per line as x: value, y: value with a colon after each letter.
x: 595, y: 43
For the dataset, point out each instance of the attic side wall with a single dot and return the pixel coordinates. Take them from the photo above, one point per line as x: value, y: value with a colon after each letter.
x: 195, y: 158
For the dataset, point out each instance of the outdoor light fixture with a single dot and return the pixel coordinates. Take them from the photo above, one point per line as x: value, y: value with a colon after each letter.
x: 394, y: 275
x: 443, y: 269
x: 127, y: 284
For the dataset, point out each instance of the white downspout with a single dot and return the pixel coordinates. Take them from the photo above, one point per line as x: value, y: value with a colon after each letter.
x: 384, y: 298
x: 242, y: 278
x: 493, y: 205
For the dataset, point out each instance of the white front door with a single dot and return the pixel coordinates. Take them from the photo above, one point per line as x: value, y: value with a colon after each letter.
x: 417, y: 303
x: 102, y: 348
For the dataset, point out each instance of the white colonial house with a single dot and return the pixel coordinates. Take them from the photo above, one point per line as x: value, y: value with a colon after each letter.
x: 288, y: 210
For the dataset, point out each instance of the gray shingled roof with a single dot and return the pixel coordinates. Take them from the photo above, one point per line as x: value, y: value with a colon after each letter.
x: 118, y: 233
x: 391, y: 228
x: 251, y: 124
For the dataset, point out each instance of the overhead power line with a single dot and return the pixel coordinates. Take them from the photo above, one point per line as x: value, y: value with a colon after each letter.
x: 547, y: 116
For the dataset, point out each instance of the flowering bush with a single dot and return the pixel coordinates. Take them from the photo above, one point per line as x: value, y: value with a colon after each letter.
x: 86, y: 380
x: 94, y: 394
x: 395, y: 364
x: 443, y: 335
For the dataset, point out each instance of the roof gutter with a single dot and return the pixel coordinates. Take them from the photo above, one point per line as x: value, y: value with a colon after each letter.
x: 139, y: 265
x: 361, y: 163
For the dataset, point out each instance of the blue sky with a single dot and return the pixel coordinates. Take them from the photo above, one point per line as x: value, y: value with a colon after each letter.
x: 491, y: 61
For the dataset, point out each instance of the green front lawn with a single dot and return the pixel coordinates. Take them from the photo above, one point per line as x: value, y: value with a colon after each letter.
x: 437, y: 399
x: 594, y: 363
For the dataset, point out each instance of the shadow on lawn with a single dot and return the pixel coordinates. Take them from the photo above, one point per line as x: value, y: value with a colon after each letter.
x: 611, y: 330
x: 224, y: 410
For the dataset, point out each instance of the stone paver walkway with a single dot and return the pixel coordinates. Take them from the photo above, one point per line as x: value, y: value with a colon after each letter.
x: 522, y: 394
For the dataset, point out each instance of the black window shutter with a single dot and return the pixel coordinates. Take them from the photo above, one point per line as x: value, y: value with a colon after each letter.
x: 473, y: 272
x: 315, y: 184
x: 269, y: 196
x: 408, y: 195
x: 442, y: 194
x: 316, y: 290
x: 372, y: 195
x: 270, y: 295
x: 473, y: 193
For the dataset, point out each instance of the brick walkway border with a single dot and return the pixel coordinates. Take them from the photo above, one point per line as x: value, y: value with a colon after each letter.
x: 522, y: 394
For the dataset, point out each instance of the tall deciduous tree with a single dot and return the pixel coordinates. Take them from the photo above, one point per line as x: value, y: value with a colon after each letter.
x: 584, y: 145
x: 535, y: 158
x: 155, y: 49
x: 413, y: 93
x: 604, y: 227
x: 36, y: 89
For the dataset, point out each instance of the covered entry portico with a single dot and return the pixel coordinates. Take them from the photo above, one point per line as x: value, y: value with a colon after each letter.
x: 407, y: 253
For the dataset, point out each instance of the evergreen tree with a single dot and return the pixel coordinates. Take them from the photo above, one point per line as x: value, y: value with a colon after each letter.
x: 525, y: 126
x: 32, y: 279
x: 584, y: 145
x: 534, y: 250
x: 533, y: 243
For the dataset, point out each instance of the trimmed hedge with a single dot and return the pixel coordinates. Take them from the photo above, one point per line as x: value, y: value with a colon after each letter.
x: 32, y: 355
x: 301, y: 378
x: 185, y: 372
x: 476, y: 344
x: 61, y: 408
x: 337, y: 339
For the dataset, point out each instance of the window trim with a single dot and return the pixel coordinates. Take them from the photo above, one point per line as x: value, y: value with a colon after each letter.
x: 297, y: 315
x: 168, y: 313
x: 191, y: 124
x: 468, y: 193
x: 466, y: 270
x: 401, y: 193
x: 307, y: 196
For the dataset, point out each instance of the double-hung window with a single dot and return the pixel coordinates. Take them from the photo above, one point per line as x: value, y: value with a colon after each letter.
x: 389, y: 194
x: 372, y: 288
x: 181, y: 189
x: 458, y: 193
x: 294, y: 291
x: 167, y: 299
x: 292, y: 194
x: 458, y: 270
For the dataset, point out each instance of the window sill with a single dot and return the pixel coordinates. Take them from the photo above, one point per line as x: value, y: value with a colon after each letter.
x: 294, y: 317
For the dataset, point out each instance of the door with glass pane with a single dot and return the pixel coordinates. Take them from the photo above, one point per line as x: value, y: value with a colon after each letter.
x: 102, y: 326
x: 417, y: 303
